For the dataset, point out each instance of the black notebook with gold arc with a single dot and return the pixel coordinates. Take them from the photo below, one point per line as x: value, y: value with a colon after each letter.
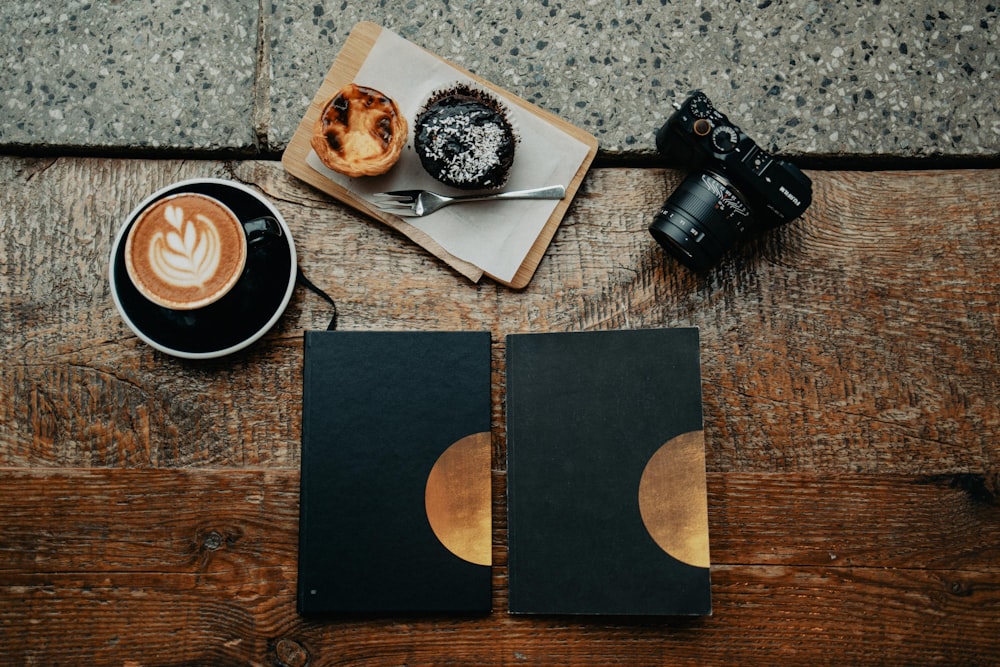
x: 395, y: 508
x: 607, y: 504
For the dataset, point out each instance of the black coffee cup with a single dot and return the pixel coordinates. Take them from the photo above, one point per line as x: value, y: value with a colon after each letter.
x: 246, y: 311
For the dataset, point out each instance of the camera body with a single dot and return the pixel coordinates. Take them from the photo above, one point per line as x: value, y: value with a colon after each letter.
x: 736, y: 188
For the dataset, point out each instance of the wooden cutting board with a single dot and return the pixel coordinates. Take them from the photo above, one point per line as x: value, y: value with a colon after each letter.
x: 347, y: 64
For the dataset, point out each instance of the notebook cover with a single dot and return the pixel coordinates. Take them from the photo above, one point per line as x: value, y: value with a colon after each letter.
x: 606, y: 474
x: 395, y: 508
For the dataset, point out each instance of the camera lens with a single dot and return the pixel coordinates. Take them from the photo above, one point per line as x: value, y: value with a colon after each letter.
x: 703, y: 218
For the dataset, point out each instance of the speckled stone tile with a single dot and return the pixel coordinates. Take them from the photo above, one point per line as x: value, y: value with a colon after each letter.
x: 129, y: 74
x: 889, y: 78
x: 818, y: 78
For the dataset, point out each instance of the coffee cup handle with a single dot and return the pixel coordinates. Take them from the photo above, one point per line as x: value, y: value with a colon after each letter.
x: 261, y: 228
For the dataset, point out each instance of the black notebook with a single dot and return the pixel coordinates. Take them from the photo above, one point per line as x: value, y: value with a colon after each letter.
x: 395, y: 509
x: 606, y: 474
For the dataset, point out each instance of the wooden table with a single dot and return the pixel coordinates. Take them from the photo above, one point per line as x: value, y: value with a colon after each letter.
x: 850, y: 362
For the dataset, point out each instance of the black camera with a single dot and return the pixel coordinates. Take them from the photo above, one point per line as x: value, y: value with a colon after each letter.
x: 735, y: 190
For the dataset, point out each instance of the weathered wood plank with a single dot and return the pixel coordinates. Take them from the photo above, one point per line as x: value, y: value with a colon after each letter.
x: 183, y: 521
x: 863, y: 337
x: 195, y: 566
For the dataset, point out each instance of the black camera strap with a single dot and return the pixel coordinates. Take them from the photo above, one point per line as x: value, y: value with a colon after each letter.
x: 308, y: 284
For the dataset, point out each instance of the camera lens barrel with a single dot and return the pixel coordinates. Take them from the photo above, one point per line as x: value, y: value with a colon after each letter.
x: 703, y: 218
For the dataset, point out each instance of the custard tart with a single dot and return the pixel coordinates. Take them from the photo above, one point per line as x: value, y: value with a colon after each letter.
x: 360, y: 132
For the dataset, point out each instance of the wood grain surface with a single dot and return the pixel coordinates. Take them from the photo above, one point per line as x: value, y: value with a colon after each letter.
x: 850, y: 377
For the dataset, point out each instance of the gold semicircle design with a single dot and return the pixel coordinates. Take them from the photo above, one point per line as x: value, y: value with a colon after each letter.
x: 458, y: 499
x: 673, y: 501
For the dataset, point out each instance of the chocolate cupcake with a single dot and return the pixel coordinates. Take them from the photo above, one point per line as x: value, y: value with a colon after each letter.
x: 465, y: 138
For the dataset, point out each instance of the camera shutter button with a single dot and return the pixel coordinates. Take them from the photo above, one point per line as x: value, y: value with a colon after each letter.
x: 702, y: 127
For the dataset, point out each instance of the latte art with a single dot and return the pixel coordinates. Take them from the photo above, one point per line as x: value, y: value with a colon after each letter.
x: 185, y: 251
x: 188, y: 255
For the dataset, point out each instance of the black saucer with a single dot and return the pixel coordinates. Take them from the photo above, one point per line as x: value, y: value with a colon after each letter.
x: 237, y: 319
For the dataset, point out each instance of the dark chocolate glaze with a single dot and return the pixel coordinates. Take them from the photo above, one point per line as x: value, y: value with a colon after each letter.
x: 464, y: 139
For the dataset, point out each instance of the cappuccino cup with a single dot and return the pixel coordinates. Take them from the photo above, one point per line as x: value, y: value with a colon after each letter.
x: 188, y: 250
x: 202, y: 268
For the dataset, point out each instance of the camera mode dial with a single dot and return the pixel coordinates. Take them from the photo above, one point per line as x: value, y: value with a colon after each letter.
x: 701, y: 107
x: 725, y: 138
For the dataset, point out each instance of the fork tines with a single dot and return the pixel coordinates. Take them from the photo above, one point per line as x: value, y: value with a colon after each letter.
x: 397, y: 196
x: 392, y: 200
x: 400, y: 202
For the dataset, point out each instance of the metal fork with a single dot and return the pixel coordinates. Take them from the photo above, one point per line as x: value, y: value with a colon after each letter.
x: 417, y: 203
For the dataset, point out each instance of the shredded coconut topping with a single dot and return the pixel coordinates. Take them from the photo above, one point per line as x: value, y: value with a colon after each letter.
x: 480, y: 142
x: 465, y: 139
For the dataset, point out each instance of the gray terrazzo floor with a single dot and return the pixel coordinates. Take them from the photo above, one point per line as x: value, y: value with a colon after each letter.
x: 889, y: 78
